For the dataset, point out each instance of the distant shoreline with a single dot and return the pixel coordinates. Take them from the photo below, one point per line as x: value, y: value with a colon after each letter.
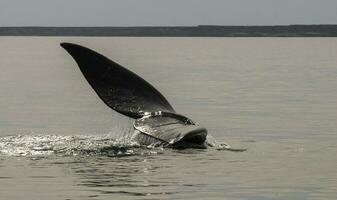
x: 178, y: 31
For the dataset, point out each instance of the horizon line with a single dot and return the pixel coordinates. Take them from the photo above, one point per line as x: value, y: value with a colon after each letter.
x: 153, y: 26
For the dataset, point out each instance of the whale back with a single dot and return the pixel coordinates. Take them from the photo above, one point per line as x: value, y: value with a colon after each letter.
x: 119, y: 88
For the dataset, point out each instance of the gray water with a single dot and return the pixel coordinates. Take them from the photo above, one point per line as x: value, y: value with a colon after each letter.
x: 277, y: 97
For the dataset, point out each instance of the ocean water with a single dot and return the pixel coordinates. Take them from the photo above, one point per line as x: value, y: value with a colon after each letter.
x: 277, y: 97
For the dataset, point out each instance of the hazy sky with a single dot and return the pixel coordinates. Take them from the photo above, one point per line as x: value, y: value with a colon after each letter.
x: 165, y: 12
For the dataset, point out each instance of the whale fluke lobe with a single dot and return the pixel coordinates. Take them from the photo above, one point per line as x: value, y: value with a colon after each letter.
x: 119, y: 88
x: 172, y: 129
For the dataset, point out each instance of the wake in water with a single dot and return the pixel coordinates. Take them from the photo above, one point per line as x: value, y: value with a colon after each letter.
x: 107, y: 145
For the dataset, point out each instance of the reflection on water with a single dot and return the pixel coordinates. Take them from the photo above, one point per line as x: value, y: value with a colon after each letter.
x: 123, y: 176
x: 132, y: 177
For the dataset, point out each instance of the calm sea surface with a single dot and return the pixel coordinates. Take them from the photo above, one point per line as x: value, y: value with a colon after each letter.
x: 277, y: 97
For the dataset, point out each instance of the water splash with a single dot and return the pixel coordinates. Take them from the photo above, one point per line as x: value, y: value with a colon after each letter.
x: 106, y: 145
x: 43, y: 145
x: 221, y: 146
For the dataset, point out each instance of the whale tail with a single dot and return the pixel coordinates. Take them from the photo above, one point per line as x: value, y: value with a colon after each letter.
x: 119, y: 88
x: 129, y: 94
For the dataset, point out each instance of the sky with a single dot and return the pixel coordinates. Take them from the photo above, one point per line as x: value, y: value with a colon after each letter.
x: 166, y: 12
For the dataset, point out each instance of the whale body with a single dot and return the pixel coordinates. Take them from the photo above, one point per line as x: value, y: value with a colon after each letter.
x: 125, y: 92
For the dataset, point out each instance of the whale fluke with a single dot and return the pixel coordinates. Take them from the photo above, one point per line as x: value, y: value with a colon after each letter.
x: 119, y: 88
x: 127, y: 93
